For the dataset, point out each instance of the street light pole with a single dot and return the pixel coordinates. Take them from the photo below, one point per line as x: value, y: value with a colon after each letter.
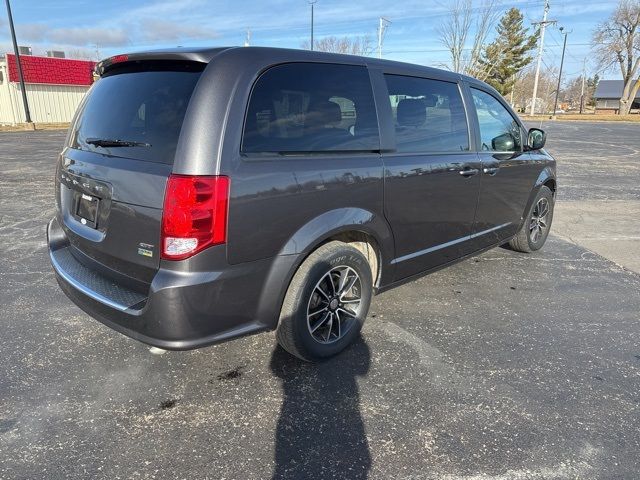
x: 312, y: 3
x: 27, y: 113
x: 564, y: 46
x: 584, y: 73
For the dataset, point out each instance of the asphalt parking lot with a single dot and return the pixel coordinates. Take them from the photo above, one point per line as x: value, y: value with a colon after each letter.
x: 506, y: 366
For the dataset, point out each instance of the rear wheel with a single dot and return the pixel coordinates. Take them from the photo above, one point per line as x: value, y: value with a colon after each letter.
x: 326, y: 303
x: 535, y: 229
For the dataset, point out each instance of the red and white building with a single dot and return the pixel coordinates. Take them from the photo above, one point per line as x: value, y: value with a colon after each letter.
x: 54, y: 87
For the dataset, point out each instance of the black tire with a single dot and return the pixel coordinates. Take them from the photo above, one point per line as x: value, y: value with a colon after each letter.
x: 311, y: 292
x: 535, y: 228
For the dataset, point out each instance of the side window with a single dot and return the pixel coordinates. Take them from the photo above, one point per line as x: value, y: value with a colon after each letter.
x: 499, y: 132
x: 311, y: 107
x: 428, y: 114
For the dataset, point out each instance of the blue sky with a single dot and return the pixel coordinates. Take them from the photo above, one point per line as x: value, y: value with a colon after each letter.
x: 121, y: 26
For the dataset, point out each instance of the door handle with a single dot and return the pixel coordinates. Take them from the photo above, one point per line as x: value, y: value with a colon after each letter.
x: 490, y: 170
x: 469, y: 172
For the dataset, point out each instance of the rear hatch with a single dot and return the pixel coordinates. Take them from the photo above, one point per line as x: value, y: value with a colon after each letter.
x: 111, y: 177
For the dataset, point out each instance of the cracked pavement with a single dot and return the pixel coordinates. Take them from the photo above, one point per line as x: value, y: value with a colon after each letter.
x: 505, y: 366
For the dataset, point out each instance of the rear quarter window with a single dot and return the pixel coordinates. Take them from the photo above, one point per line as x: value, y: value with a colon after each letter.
x: 144, y: 103
x: 311, y: 107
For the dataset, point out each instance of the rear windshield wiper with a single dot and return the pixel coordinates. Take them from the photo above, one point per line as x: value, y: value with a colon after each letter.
x: 108, y: 142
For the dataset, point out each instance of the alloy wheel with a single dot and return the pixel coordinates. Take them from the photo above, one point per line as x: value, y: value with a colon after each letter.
x: 334, y: 304
x: 539, y: 220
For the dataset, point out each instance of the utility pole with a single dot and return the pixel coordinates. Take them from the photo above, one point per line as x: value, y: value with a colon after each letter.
x: 27, y: 113
x: 513, y: 87
x: 564, y: 46
x: 312, y: 3
x: 384, y: 23
x: 584, y: 74
x: 543, y: 25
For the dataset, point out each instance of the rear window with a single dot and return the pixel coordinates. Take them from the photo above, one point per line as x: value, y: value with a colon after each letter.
x: 311, y: 107
x: 143, y: 103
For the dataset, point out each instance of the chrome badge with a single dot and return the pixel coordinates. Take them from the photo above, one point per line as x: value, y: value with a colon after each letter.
x: 145, y: 249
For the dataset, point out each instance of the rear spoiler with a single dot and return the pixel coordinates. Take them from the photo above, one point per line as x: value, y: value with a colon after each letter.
x: 202, y: 55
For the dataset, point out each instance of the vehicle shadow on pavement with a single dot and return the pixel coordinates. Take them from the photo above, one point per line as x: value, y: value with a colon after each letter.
x: 320, y: 432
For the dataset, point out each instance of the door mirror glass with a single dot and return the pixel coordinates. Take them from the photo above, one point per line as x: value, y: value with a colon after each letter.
x: 536, y: 139
x: 503, y: 143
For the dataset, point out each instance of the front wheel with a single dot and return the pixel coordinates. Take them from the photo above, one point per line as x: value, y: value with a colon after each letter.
x: 535, y: 228
x: 326, y: 303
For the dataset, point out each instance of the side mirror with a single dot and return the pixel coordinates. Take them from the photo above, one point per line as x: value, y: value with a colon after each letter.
x: 536, y: 139
x: 503, y: 143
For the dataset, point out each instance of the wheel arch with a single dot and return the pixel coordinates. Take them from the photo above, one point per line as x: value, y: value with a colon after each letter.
x: 547, y: 179
x: 364, y: 230
x: 368, y: 232
x: 550, y: 183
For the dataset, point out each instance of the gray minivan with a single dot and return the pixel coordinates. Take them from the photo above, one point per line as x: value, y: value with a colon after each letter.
x: 205, y: 194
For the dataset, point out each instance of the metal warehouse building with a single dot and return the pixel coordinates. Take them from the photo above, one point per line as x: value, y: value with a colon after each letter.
x: 54, y: 87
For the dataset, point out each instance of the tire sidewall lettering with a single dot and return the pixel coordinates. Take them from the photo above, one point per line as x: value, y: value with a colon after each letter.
x: 345, y: 259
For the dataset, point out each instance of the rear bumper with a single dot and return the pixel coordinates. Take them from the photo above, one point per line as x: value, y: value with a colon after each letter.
x: 182, y: 310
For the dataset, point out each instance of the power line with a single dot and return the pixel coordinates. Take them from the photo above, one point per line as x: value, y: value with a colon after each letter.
x: 573, y: 45
x: 437, y: 50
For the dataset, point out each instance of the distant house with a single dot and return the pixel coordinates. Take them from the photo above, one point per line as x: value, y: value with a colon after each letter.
x: 608, y: 95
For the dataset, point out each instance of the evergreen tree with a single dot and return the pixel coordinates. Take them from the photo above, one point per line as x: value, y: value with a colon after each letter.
x: 592, y: 84
x: 508, y: 54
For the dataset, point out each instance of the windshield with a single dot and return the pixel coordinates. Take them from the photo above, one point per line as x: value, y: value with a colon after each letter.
x: 137, y: 111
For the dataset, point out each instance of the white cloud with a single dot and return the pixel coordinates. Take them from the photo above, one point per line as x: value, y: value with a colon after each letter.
x: 166, y: 9
x: 155, y: 30
x: 105, y: 37
x: 31, y: 32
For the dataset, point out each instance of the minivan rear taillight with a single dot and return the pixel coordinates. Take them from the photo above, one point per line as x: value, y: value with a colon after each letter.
x: 194, y: 215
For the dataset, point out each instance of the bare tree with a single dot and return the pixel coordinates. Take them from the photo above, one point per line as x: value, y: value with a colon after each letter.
x: 82, y: 53
x: 617, y: 41
x: 521, y: 97
x: 454, y: 32
x: 347, y: 45
x: 573, y: 91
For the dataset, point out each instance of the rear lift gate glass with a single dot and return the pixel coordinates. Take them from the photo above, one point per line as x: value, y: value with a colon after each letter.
x: 112, y: 176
